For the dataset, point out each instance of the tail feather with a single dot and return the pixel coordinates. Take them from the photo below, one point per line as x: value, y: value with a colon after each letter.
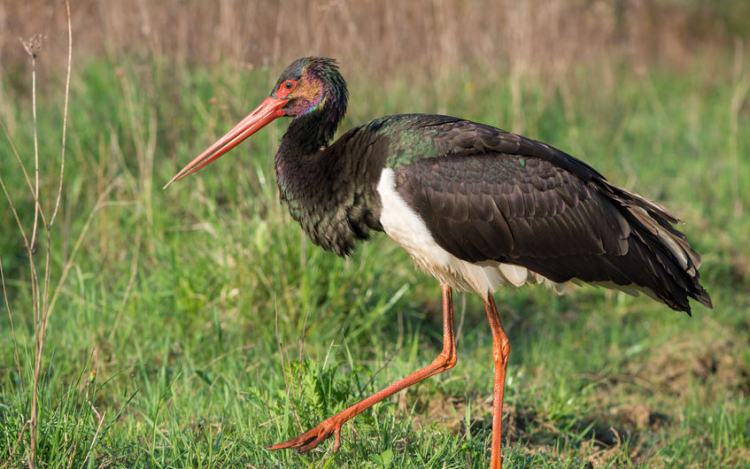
x: 673, y: 265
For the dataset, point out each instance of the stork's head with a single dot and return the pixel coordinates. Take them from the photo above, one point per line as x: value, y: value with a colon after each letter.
x: 310, y: 85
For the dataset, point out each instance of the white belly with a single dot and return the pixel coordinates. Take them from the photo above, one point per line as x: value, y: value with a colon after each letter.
x: 403, y: 225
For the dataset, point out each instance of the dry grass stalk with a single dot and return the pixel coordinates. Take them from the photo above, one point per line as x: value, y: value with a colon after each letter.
x: 40, y: 290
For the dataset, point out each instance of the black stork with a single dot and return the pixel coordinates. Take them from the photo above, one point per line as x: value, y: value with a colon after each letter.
x: 475, y: 206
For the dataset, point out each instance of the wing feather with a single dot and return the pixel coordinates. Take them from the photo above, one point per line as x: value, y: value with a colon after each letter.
x: 488, y: 195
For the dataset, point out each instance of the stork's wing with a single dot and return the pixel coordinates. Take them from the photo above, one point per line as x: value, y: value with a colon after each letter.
x: 510, y: 208
x: 497, y: 196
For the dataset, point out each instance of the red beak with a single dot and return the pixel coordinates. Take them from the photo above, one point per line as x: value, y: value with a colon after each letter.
x: 269, y: 110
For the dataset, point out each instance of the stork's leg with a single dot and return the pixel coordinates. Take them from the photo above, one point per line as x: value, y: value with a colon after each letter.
x: 332, y: 425
x: 500, y: 351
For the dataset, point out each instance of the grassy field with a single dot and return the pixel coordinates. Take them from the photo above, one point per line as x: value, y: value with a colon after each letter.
x: 197, y: 325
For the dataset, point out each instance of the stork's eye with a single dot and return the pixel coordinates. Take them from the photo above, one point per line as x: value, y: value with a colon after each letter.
x: 285, y: 88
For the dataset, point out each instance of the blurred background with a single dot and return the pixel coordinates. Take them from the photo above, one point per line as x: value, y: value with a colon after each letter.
x: 381, y: 38
x: 559, y: 48
x: 190, y: 327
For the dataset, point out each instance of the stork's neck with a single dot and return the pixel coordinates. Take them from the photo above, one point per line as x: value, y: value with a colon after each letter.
x: 298, y: 159
x: 307, y: 134
x: 301, y: 167
x: 324, y: 190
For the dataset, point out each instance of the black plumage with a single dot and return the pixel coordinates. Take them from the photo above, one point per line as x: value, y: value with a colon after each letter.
x: 502, y: 197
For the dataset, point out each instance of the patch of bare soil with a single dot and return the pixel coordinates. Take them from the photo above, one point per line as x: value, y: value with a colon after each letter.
x: 613, y: 436
x: 715, y: 365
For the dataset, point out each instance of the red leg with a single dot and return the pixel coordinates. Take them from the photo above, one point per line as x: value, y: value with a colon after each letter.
x: 500, y: 352
x: 332, y: 425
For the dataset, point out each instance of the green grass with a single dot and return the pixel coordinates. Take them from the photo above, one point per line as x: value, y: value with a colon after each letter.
x: 198, y: 324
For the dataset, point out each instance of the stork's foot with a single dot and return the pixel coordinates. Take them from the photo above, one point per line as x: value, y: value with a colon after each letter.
x: 313, y: 437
